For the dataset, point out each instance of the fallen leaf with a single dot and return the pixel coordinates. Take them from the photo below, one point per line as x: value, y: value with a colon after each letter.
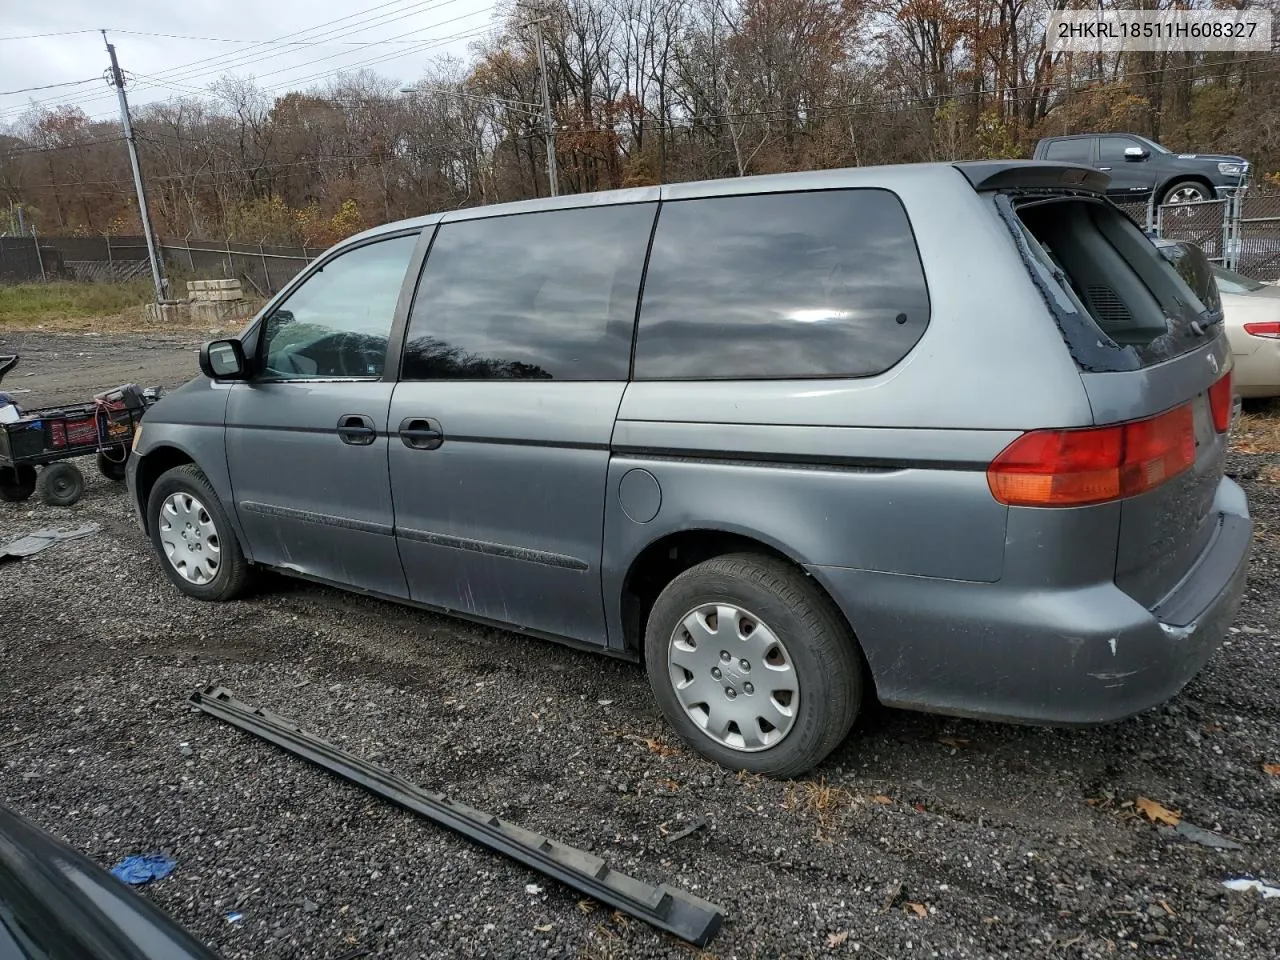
x: 835, y: 939
x: 919, y: 909
x: 669, y: 784
x: 544, y: 928
x: 920, y: 808
x: 1167, y: 909
x: 586, y: 906
x: 1271, y: 769
x: 1157, y: 813
x: 881, y: 798
x: 656, y: 747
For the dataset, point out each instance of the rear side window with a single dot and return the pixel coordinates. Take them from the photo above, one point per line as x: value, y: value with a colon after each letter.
x: 534, y: 296
x: 1100, y: 269
x: 781, y: 286
x: 1071, y: 151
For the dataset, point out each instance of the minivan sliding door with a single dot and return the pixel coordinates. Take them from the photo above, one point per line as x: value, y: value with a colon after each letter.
x: 515, y: 362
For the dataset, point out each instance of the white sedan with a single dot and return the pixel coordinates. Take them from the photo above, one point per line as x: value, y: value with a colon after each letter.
x: 1252, y: 314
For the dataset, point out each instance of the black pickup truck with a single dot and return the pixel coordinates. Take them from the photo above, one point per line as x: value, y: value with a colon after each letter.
x: 1138, y: 167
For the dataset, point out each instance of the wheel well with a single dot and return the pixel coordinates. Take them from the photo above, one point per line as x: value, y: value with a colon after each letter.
x: 1191, y: 178
x: 665, y: 559
x: 151, y: 468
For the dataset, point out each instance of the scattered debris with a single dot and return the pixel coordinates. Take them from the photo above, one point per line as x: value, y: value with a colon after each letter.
x: 919, y: 909
x: 655, y: 746
x: 234, y: 917
x: 881, y: 798
x: 33, y: 543
x: 892, y: 891
x: 836, y: 939
x: 698, y: 824
x: 1206, y: 838
x: 957, y: 743
x: 137, y: 870
x: 1271, y: 769
x: 532, y: 889
x: 1242, y: 884
x: 605, y: 703
x: 1157, y: 812
x: 544, y: 928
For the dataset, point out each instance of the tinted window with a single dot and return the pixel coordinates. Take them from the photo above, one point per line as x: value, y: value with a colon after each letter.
x: 824, y: 284
x: 1070, y: 151
x: 533, y: 296
x: 1111, y: 149
x: 338, y: 322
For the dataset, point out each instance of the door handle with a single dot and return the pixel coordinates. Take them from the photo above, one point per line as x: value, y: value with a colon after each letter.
x: 1104, y: 169
x: 421, y: 433
x: 357, y: 430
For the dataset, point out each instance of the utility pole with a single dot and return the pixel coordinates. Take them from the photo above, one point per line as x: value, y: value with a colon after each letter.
x: 548, y: 119
x: 117, y: 80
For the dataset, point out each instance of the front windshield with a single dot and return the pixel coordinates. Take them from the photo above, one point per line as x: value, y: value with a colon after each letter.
x: 1155, y: 146
x: 1231, y: 282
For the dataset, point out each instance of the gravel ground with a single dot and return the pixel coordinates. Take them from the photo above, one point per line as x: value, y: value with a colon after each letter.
x: 920, y: 837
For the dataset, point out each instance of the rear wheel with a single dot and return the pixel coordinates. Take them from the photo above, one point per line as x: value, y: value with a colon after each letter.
x: 61, y: 484
x: 112, y: 463
x: 753, y: 665
x: 17, y: 483
x: 193, y: 538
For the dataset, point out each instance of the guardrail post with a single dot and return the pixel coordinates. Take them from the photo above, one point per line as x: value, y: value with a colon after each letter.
x: 107, y: 237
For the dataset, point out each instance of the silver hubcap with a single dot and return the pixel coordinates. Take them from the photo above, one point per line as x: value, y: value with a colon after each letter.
x: 1186, y: 195
x: 189, y: 538
x: 733, y: 677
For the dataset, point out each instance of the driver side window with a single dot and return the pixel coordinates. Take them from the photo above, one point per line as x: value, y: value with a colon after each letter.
x: 337, y: 324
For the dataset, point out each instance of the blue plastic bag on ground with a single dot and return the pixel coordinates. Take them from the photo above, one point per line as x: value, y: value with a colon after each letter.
x: 137, y: 870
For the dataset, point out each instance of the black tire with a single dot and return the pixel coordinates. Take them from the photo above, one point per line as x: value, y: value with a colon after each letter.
x: 232, y: 573
x: 113, y: 463
x: 17, y: 483
x: 61, y: 484
x: 1173, y: 188
x: 823, y: 653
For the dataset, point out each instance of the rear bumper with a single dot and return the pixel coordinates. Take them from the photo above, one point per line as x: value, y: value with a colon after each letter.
x: 1257, y: 373
x: 1077, y: 655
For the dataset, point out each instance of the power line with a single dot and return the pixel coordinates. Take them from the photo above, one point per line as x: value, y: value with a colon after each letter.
x: 62, y: 146
x: 49, y: 86
x: 37, y: 36
x: 238, y: 57
x: 285, y: 43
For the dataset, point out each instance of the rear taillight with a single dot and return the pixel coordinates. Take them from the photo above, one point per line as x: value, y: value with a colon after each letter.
x: 1071, y: 468
x: 1220, y: 403
x: 1270, y: 330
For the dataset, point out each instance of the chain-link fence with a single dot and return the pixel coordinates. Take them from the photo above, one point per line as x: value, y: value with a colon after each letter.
x: 264, y: 268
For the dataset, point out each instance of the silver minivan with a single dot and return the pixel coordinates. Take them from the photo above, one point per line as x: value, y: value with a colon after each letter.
x: 948, y: 435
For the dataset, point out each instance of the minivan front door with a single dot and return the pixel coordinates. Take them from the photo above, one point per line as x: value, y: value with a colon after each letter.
x: 516, y: 359
x: 307, y: 434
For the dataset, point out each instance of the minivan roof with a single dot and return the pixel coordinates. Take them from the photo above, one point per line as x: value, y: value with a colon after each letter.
x: 981, y: 174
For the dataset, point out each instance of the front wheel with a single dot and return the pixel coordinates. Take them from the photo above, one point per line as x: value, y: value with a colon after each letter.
x: 192, y: 535
x: 1185, y: 191
x: 17, y: 483
x: 753, y: 665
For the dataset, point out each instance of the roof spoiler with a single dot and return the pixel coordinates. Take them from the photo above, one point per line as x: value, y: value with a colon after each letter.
x: 1032, y: 175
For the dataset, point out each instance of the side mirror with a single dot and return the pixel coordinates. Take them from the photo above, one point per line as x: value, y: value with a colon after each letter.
x: 223, y: 360
x: 1135, y: 153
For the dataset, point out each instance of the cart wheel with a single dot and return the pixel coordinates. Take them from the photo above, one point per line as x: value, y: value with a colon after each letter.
x: 112, y: 463
x: 17, y: 483
x: 61, y: 484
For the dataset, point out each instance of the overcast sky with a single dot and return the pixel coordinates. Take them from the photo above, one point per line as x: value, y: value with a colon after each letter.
x: 316, y: 37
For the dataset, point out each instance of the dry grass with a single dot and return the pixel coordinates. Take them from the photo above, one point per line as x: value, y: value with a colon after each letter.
x: 97, y: 307
x: 1258, y: 431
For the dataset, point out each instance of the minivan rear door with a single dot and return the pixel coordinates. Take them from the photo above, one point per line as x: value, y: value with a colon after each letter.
x: 1148, y: 338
